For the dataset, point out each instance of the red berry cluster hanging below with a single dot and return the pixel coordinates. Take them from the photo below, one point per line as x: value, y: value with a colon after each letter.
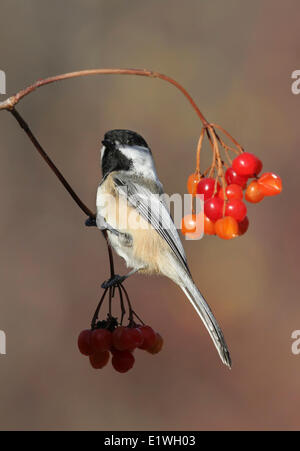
x: 224, y: 186
x: 109, y: 337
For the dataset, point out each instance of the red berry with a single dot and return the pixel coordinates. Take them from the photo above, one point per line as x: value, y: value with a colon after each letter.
x: 206, y: 186
x: 253, y: 193
x: 99, y: 359
x: 122, y: 361
x: 191, y: 226
x: 236, y: 209
x: 192, y: 183
x: 157, y: 346
x: 243, y: 226
x: 213, y: 208
x: 136, y: 336
x: 270, y: 184
x: 227, y: 228
x: 259, y: 167
x: 149, y: 337
x: 122, y: 339
x: 233, y: 191
x: 101, y: 340
x: 84, y: 342
x: 247, y: 164
x: 232, y: 177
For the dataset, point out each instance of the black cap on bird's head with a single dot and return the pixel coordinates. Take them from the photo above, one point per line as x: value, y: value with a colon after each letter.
x: 124, y: 138
x: 116, y: 153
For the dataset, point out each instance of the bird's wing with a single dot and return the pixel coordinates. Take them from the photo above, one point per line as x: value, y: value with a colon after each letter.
x: 152, y: 208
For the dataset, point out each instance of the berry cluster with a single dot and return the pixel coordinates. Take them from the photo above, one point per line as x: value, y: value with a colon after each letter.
x: 225, y: 213
x: 121, y: 343
x: 111, y: 337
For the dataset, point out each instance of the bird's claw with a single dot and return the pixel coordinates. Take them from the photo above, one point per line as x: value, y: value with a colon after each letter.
x: 113, y: 282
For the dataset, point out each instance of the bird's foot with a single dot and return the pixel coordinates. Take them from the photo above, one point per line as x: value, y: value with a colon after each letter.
x: 113, y: 281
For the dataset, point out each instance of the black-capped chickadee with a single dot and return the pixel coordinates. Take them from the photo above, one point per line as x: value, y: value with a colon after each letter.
x: 138, y: 223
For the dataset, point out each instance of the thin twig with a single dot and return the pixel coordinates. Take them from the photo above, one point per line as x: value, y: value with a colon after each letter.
x: 131, y: 311
x: 13, y: 100
x: 199, y: 146
x: 109, y: 302
x: 95, y: 317
x: 240, y: 148
x: 220, y: 173
x: 62, y: 179
x: 123, y: 311
x: 213, y: 164
x: 50, y: 163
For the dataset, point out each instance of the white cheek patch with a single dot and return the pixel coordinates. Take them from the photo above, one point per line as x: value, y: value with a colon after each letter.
x: 141, y: 158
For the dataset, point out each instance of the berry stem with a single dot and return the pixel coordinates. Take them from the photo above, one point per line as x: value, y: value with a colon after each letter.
x: 95, y: 317
x: 200, y: 141
x: 225, y: 146
x: 213, y: 165
x: 240, y: 148
x: 217, y: 161
x: 123, y: 311
x: 109, y: 301
x: 132, y: 313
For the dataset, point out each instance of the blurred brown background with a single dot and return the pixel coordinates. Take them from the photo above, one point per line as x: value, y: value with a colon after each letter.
x: 236, y: 58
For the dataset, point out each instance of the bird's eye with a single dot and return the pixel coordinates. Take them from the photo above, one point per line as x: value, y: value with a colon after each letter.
x: 108, y: 144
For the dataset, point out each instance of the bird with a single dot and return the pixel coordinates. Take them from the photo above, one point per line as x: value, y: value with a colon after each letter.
x: 139, y: 226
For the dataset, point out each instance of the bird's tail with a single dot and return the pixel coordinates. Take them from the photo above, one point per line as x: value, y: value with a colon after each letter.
x: 203, y: 310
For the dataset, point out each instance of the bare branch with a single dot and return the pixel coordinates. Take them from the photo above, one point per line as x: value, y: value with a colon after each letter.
x: 13, y: 100
x: 50, y: 163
